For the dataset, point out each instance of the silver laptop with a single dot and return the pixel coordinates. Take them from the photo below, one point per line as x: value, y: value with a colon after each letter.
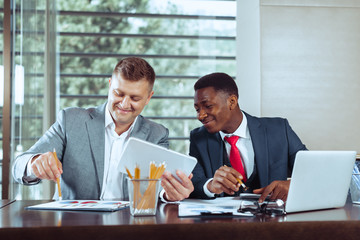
x: 320, y: 180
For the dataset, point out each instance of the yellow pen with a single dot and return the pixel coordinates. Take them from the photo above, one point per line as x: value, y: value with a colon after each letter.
x: 57, y: 179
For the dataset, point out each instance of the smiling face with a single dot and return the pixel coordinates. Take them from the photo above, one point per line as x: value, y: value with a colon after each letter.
x: 215, y: 109
x: 126, y: 100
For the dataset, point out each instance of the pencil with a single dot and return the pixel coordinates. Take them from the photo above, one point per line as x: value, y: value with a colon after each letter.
x: 57, y: 179
x: 242, y: 184
x: 128, y: 172
x: 137, y: 172
x: 239, y: 180
x: 137, y: 193
x: 148, y: 199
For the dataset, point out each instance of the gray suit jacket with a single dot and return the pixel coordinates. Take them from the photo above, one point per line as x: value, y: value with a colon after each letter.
x: 78, y: 136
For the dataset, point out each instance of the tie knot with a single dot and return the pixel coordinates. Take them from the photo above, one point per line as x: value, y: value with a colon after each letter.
x: 232, y: 140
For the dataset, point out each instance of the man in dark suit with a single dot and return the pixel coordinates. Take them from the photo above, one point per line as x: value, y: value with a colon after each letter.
x: 267, y: 146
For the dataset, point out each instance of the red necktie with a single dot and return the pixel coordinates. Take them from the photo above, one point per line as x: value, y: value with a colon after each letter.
x: 235, y: 158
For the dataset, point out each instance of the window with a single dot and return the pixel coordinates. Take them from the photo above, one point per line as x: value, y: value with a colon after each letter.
x: 183, y: 40
x: 28, y: 53
x: 1, y: 91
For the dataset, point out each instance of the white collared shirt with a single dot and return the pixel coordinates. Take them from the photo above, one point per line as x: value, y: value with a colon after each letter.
x: 113, y: 183
x: 245, y: 147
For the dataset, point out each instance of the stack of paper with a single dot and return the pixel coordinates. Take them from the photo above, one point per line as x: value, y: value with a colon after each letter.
x: 226, y: 206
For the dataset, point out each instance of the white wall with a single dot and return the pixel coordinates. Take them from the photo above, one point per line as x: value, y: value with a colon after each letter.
x: 307, y: 67
x: 248, y: 55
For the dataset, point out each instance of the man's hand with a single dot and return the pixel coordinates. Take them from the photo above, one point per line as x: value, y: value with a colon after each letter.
x: 225, y: 180
x: 175, y: 190
x: 44, y: 166
x: 276, y: 189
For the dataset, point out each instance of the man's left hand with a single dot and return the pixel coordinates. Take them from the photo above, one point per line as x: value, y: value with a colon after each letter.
x: 174, y: 189
x: 276, y: 189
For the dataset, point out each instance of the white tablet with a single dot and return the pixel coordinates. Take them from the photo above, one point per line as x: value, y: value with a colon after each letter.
x: 141, y: 153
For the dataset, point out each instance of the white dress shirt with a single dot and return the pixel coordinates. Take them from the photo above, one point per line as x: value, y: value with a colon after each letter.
x: 245, y: 147
x: 113, y: 182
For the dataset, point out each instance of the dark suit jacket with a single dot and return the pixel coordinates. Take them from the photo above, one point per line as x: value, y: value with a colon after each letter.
x: 275, y: 146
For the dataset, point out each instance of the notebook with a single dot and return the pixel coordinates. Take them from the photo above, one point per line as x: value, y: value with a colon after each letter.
x: 141, y: 153
x: 320, y: 180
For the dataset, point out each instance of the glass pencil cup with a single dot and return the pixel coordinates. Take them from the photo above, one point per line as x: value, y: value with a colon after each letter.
x: 355, y: 188
x: 143, y: 196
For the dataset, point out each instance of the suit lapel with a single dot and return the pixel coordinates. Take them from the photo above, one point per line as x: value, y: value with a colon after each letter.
x: 96, y: 132
x: 259, y: 141
x: 215, y: 151
x: 140, y: 130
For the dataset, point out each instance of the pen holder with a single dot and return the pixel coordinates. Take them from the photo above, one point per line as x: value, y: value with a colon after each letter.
x: 355, y: 187
x: 143, y: 196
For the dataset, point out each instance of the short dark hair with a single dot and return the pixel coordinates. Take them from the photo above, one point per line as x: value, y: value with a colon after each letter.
x: 219, y: 81
x: 135, y: 69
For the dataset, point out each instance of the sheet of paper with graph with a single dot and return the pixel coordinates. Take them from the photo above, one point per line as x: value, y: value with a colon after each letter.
x: 81, y: 205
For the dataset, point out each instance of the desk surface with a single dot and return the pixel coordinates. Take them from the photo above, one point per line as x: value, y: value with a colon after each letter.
x: 4, y: 203
x: 17, y: 222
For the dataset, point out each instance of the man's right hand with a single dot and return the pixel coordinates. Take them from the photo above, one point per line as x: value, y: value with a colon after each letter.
x: 45, y: 166
x: 225, y: 180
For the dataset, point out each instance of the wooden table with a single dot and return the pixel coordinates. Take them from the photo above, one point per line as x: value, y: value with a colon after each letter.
x: 18, y: 223
x: 4, y: 203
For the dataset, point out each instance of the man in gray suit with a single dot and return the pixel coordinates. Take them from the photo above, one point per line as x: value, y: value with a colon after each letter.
x: 88, y: 142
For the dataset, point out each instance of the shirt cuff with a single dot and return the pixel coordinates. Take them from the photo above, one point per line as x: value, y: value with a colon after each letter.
x: 161, y: 195
x: 29, y: 175
x: 206, y: 190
